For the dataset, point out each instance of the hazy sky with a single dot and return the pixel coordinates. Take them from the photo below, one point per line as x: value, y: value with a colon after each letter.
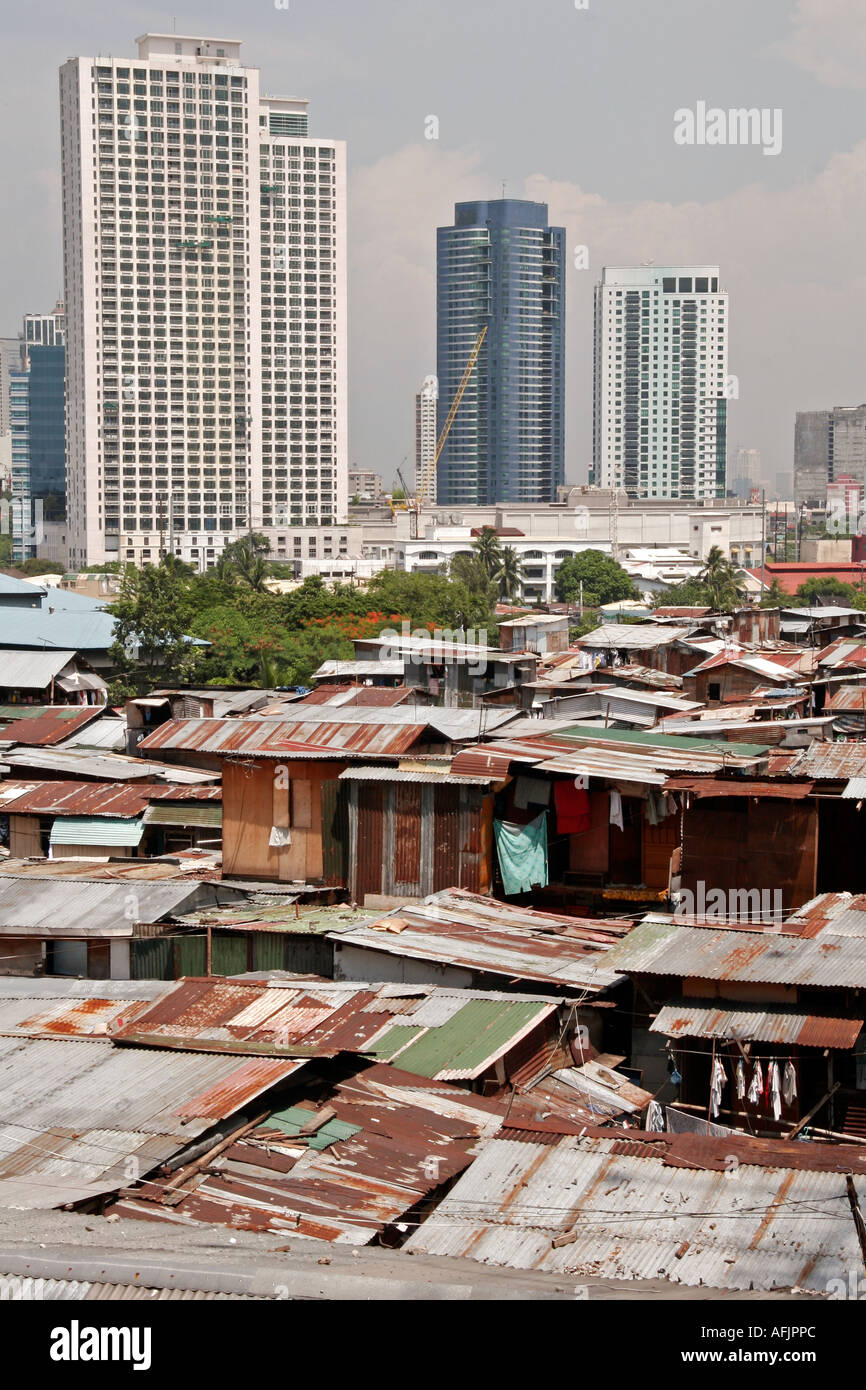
x: 571, y: 106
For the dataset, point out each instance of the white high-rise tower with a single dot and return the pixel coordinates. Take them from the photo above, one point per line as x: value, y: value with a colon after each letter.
x: 426, y: 402
x: 204, y: 255
x: 661, y: 384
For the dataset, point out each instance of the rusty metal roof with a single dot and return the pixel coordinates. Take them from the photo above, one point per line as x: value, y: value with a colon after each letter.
x: 285, y: 738
x: 465, y: 929
x: 739, y: 786
x: 94, y: 798
x: 849, y: 697
x: 367, y: 696
x: 76, y: 1112
x: 313, y: 1018
x: 832, y: 761
x: 768, y: 1023
x: 43, y: 725
x: 809, y: 950
x: 379, y: 1144
x: 655, y: 1206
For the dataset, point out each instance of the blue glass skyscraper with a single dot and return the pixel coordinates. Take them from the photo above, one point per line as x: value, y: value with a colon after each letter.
x: 502, y: 265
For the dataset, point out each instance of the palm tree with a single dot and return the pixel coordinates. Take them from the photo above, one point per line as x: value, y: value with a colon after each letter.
x: 246, y: 557
x: 719, y: 577
x: 489, y: 551
x: 510, y: 574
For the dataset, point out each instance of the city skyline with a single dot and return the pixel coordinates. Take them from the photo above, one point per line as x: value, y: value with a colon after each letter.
x: 623, y: 188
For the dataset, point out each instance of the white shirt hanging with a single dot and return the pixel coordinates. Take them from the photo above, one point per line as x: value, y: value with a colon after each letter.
x: 756, y: 1085
x: 789, y: 1083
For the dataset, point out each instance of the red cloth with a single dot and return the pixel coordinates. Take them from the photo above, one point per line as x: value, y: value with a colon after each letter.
x: 572, y: 808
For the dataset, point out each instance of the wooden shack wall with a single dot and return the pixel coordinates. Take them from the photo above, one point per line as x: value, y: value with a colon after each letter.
x: 738, y: 842
x: 259, y: 795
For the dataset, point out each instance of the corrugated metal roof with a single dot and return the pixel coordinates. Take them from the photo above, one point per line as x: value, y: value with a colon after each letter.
x: 106, y: 732
x: 435, y: 777
x: 74, y: 1112
x: 280, y: 738
x: 666, y: 946
x: 329, y: 669
x: 625, y: 1213
x: 366, y: 696
x: 855, y: 790
x: 454, y: 931
x: 43, y: 725
x: 832, y: 761
x: 693, y: 1019
x: 639, y: 636
x: 184, y: 813
x: 32, y: 670
x: 60, y: 630
x: 97, y: 798
x: 323, y: 1018
x: 46, y: 1290
x: 395, y: 1140
x: 96, y: 830
x: 84, y: 908
x: 103, y: 767
x: 849, y: 697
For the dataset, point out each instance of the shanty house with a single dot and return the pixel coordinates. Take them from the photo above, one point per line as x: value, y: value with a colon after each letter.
x: 789, y: 991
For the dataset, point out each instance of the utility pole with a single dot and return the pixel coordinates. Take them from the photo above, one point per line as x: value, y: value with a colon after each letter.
x: 763, y: 537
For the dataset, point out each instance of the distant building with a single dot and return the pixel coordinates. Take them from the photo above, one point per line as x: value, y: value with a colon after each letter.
x: 205, y: 263
x: 501, y: 266
x: 365, y: 484
x: 426, y: 403
x: 744, y: 472
x: 828, y: 444
x: 35, y: 383
x: 660, y: 381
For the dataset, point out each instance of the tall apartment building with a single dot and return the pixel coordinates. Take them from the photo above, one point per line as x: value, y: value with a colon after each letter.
x: 501, y: 265
x: 426, y: 439
x: 660, y: 381
x: 828, y: 444
x: 204, y: 257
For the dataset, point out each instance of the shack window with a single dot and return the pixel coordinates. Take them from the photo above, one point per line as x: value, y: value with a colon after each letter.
x: 714, y: 691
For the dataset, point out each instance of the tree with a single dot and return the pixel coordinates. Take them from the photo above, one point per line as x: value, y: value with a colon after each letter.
x: 775, y: 596
x: 604, y: 581
x: 471, y: 572
x: 820, y: 589
x: 489, y: 551
x: 719, y: 578
x: 691, y: 593
x: 247, y: 557
x: 509, y: 576
x: 150, y: 646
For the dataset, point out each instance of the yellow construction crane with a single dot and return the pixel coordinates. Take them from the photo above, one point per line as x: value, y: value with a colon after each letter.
x: 418, y: 501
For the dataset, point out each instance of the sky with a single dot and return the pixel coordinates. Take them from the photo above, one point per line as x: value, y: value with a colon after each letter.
x: 569, y: 102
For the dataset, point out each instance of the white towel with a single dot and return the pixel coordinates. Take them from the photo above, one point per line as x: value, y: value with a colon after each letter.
x: 741, y: 1079
x: 789, y: 1083
x: 775, y: 1090
x: 756, y: 1085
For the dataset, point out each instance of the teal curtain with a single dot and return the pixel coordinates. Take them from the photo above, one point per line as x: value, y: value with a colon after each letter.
x: 522, y: 851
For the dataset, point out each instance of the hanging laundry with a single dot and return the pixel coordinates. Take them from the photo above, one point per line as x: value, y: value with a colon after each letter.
x: 522, y: 852
x: 531, y: 789
x: 717, y: 1083
x: 775, y: 1089
x: 789, y: 1083
x: 756, y: 1085
x: 572, y: 808
x: 616, y: 809
x: 655, y: 1117
x: 741, y: 1079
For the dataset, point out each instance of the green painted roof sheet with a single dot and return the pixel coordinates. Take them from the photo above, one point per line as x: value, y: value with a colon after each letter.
x: 395, y: 1039
x: 479, y: 1033
x: 583, y: 732
x: 96, y: 830
x: 292, y: 1120
x: 184, y: 813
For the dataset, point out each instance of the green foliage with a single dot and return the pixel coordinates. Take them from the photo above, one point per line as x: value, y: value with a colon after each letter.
x: 691, y: 593
x: 150, y: 647
x: 509, y: 576
x: 5, y: 549
x: 604, y: 581
x: 471, y: 572
x: 489, y: 551
x: 822, y: 589
x: 40, y: 567
x: 719, y: 578
x: 776, y: 597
